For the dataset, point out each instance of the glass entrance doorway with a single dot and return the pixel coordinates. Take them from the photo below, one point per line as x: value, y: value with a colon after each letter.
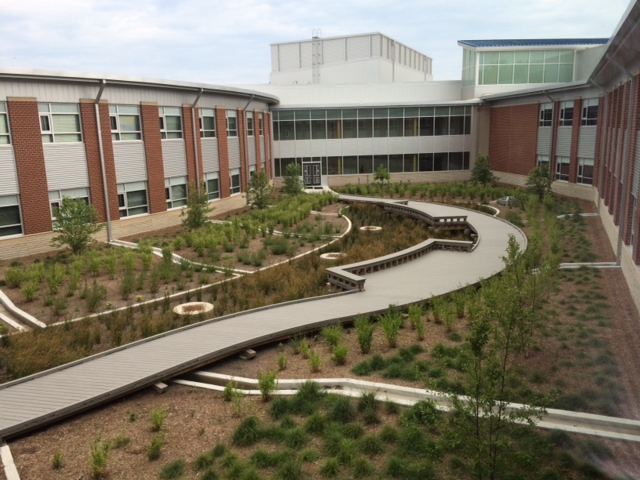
x: 311, y: 174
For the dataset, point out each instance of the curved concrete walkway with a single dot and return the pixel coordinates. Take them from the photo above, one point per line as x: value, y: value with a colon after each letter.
x: 46, y: 397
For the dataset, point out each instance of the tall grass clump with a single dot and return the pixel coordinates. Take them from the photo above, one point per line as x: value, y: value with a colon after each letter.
x: 390, y: 324
x: 267, y: 384
x: 333, y: 334
x: 364, y: 331
x: 415, y: 318
x: 98, y: 458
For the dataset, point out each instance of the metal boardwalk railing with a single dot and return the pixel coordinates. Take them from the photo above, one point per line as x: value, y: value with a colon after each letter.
x: 46, y: 397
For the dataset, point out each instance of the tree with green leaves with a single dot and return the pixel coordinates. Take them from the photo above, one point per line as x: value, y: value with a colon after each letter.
x: 75, y: 224
x: 197, y: 210
x: 381, y: 174
x: 260, y: 190
x: 539, y: 181
x: 292, y: 181
x: 503, y: 321
x: 481, y: 172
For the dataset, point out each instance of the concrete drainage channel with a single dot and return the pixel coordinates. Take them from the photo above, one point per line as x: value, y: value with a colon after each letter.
x: 578, y: 422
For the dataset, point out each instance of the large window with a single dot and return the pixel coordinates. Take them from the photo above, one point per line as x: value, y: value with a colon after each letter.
x: 60, y: 122
x: 232, y: 123
x: 10, y: 221
x: 132, y: 199
x: 175, y: 190
x: 207, y: 122
x: 589, y: 112
x: 518, y: 67
x: 56, y: 196
x: 213, y: 185
x: 566, y: 114
x: 125, y: 122
x: 260, y: 130
x: 585, y: 171
x: 546, y: 114
x: 562, y: 168
x: 234, y: 177
x: 4, y: 125
x: 170, y: 122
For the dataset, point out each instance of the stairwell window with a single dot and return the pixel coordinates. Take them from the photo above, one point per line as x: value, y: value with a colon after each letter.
x: 175, y: 190
x: 56, y: 196
x: 562, y: 168
x: 4, y: 125
x: 589, y: 112
x: 546, y: 114
x: 250, y: 124
x: 585, y: 171
x: 566, y: 114
x: 207, y: 123
x: 170, y: 122
x: 60, y: 122
x: 125, y: 122
x: 213, y: 185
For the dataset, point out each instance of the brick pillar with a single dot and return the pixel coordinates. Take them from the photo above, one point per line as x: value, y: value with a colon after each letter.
x: 92, y: 148
x: 575, y: 136
x: 242, y: 141
x: 150, y: 120
x: 619, y: 168
x: 223, y: 152
x: 600, y: 134
x: 268, y: 152
x: 30, y: 167
x: 190, y: 146
x: 554, y: 136
x: 258, y: 137
x: 628, y: 187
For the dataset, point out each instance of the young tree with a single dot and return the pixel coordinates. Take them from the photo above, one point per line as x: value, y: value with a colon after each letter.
x: 381, y: 174
x: 260, y: 190
x: 292, y: 181
x: 197, y: 209
x: 539, y: 181
x: 76, y: 223
x: 481, y: 172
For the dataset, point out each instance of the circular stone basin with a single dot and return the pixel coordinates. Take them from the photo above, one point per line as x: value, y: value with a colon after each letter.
x: 332, y: 256
x: 370, y: 228
x: 193, y: 308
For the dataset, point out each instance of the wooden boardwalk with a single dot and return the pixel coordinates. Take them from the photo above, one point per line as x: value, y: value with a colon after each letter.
x: 49, y: 396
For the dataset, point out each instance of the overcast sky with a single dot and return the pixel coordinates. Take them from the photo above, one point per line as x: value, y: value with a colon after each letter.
x: 227, y: 42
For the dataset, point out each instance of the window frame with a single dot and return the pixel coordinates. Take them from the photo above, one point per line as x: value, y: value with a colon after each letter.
x: 234, y: 174
x: 232, y: 123
x: 545, y: 118
x: 5, y: 136
x: 124, y: 189
x: 166, y: 132
x: 207, y: 131
x: 589, y: 116
x: 116, y: 114
x: 561, y: 166
x: 211, y: 177
x: 10, y: 202
x: 56, y: 196
x: 566, y: 114
x: 176, y: 192
x: 581, y: 178
x: 47, y: 114
x: 250, y: 129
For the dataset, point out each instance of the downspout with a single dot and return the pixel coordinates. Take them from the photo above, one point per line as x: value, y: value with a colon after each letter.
x: 625, y: 153
x: 246, y: 143
x: 195, y: 140
x: 103, y: 84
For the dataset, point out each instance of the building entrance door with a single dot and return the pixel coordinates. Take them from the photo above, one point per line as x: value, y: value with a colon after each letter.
x: 311, y: 174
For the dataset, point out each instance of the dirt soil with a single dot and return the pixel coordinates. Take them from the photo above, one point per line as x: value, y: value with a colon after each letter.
x: 198, y: 419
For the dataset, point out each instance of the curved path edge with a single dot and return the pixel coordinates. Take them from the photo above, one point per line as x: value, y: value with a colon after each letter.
x: 49, y: 396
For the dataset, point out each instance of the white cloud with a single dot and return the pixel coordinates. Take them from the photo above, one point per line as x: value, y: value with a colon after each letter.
x: 228, y: 42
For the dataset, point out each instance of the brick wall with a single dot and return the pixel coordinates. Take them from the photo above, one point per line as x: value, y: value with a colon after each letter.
x: 242, y: 141
x: 29, y: 154
x: 190, y: 145
x: 268, y: 154
x: 512, y: 138
x: 150, y: 119
x: 575, y: 137
x: 92, y: 148
x: 223, y: 152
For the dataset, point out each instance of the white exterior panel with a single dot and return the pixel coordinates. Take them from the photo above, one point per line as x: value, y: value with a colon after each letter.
x: 544, y: 141
x: 233, y: 144
x: 66, y: 165
x: 587, y: 142
x: 8, y: 173
x: 563, y: 142
x: 210, y: 158
x: 174, y: 158
x: 251, y: 143
x: 130, y: 162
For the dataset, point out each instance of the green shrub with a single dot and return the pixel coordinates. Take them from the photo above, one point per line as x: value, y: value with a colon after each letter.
x: 315, y: 362
x: 316, y: 424
x: 267, y: 384
x: 361, y: 468
x: 390, y: 324
x: 371, y: 445
x: 157, y: 419
x: 57, y: 462
x: 330, y: 468
x: 153, y: 450
x: 333, y: 334
x: 248, y: 432
x: 340, y: 409
x: 364, y: 330
x: 98, y: 458
x: 173, y: 470
x: 339, y: 356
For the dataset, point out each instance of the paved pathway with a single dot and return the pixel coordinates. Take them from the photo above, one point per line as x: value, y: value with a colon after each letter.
x: 64, y: 391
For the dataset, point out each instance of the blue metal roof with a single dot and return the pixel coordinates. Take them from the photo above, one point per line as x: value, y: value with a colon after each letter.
x: 544, y: 42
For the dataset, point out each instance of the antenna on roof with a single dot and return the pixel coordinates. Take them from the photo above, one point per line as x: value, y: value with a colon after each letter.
x: 316, y: 54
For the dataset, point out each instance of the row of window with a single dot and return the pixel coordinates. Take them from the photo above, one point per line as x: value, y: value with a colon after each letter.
x: 585, y: 168
x: 370, y: 123
x: 60, y: 123
x: 589, y: 116
x: 395, y: 163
